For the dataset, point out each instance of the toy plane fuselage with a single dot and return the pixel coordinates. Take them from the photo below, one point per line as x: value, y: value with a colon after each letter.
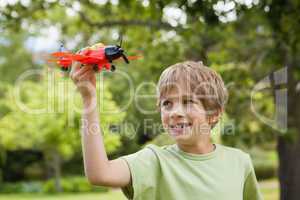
x: 101, y: 57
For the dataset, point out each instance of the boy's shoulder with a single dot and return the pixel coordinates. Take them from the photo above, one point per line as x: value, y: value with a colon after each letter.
x: 238, y: 155
x: 235, y: 153
x: 155, y: 149
x: 233, y: 150
x: 160, y: 149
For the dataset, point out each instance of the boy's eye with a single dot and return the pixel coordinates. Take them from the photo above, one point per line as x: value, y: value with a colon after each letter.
x: 166, y: 103
x: 188, y: 101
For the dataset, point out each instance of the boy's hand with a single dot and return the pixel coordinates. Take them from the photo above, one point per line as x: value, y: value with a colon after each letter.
x: 85, y: 79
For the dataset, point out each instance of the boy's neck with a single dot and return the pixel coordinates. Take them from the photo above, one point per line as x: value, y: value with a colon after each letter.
x: 197, y: 148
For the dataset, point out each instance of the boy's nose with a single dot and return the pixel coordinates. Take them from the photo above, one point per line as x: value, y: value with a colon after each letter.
x: 177, y: 112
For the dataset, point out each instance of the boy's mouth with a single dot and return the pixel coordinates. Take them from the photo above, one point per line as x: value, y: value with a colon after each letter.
x: 181, y: 125
x: 179, y: 128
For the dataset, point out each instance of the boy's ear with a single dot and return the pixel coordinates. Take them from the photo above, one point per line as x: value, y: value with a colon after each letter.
x: 214, y: 118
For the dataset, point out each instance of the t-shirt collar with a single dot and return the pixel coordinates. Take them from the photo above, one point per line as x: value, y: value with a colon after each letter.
x: 194, y: 156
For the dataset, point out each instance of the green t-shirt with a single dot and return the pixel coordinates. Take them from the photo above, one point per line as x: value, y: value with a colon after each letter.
x: 168, y: 173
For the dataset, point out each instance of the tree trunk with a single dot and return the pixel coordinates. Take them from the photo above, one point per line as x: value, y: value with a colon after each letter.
x: 288, y: 145
x: 289, y: 169
x: 53, y: 167
x: 57, y: 171
x: 2, y: 162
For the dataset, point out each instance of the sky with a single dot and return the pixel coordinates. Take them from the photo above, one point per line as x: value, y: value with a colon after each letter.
x: 47, y: 41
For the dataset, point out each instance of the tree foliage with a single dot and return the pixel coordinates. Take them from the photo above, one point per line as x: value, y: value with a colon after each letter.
x: 45, y: 116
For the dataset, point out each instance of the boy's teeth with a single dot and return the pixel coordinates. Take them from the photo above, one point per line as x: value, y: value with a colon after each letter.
x: 181, y: 125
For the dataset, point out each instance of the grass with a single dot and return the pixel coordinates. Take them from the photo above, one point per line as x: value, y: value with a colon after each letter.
x: 112, y: 195
x: 269, y: 189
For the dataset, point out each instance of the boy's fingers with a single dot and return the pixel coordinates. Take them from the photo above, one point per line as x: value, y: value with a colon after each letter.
x: 76, y: 76
x: 75, y: 67
x: 83, y: 70
x: 85, y: 76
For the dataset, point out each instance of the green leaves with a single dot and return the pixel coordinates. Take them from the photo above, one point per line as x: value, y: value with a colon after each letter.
x: 45, y: 115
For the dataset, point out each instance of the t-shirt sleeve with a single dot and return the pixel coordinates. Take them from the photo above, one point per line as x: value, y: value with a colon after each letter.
x: 251, y: 187
x: 144, y: 171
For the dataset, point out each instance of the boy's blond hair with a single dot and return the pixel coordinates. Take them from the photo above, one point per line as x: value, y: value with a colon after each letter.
x: 202, y: 81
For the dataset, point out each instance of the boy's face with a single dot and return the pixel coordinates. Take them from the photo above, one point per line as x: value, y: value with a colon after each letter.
x: 184, y: 116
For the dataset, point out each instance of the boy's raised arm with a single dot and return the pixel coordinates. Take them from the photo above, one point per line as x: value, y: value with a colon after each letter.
x: 98, y: 169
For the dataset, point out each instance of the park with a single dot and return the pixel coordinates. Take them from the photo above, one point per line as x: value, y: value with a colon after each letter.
x: 253, y: 44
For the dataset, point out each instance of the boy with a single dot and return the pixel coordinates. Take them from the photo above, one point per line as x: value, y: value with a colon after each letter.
x: 191, y: 99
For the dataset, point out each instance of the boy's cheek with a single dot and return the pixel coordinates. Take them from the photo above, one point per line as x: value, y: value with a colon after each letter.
x: 201, y: 128
x: 164, y: 122
x: 164, y: 118
x: 165, y: 126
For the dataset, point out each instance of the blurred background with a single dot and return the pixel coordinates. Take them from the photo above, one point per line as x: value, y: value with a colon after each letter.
x: 253, y: 44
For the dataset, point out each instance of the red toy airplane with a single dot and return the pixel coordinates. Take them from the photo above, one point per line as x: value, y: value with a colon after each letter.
x: 99, y: 55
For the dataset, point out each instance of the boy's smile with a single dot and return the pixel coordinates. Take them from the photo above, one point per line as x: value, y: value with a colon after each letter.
x: 180, y: 128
